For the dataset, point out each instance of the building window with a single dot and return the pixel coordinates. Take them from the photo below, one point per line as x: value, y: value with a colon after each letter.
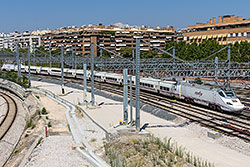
x: 248, y: 35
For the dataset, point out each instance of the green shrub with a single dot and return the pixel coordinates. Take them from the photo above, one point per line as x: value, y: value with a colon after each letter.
x: 44, y: 111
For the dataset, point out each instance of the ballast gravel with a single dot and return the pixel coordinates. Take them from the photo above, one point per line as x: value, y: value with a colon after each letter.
x: 56, y: 151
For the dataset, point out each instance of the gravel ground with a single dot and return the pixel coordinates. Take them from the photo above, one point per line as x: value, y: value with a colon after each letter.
x: 94, y: 135
x: 231, y: 142
x: 56, y: 151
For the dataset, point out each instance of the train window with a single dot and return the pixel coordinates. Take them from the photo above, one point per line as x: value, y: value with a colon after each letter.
x: 230, y: 93
x: 221, y: 94
x: 164, y: 88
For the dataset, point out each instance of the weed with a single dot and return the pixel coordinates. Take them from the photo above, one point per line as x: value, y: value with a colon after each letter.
x: 49, y: 124
x: 17, y: 150
x: 44, y: 111
x: 68, y: 127
x: 93, y: 140
x: 29, y: 123
x: 39, y: 141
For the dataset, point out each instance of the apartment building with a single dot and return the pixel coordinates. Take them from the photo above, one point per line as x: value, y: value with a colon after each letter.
x: 225, y: 30
x: 22, y: 39
x: 7, y: 40
x: 27, y: 38
x: 111, y: 37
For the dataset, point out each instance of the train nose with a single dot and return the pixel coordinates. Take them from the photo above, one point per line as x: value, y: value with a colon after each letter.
x: 238, y: 107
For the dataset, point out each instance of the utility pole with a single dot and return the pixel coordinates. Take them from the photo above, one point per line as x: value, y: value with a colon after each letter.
x: 29, y: 65
x: 18, y: 61
x: 84, y: 84
x: 125, y: 95
x: 137, y: 87
x: 62, y: 70
x: 92, y: 75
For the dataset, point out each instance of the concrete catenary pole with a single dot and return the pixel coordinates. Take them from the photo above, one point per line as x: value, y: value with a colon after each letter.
x: 216, y: 70
x: 92, y: 75
x: 137, y: 87
x: 125, y: 95
x: 18, y: 61
x: 29, y: 83
x: 131, y: 100
x: 62, y: 70
x: 84, y: 84
x: 229, y: 65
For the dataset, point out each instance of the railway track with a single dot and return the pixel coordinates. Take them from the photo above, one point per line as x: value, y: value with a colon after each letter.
x: 231, y: 125
x: 10, y: 115
x: 244, y: 96
x: 214, y: 120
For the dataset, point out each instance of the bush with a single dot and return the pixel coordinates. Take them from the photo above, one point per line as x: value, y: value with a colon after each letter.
x: 12, y: 76
x: 44, y: 111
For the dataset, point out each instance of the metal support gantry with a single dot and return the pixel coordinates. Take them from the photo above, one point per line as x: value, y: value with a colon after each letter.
x: 84, y: 84
x: 164, y: 68
x: 125, y: 95
x: 62, y: 70
x: 18, y: 61
x: 29, y: 82
x: 92, y: 75
x: 137, y: 83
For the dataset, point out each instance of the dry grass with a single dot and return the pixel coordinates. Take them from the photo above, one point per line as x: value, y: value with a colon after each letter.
x: 142, y: 151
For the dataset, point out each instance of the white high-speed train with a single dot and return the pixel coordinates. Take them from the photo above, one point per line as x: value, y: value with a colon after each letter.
x: 214, y: 97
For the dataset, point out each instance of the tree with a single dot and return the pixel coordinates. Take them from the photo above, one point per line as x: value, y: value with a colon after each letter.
x: 126, y: 52
x: 148, y: 54
x: 105, y: 54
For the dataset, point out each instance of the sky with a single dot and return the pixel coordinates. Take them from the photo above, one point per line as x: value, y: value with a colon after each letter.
x: 28, y: 15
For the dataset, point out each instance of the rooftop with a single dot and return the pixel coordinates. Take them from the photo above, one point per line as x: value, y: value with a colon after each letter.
x: 222, y: 21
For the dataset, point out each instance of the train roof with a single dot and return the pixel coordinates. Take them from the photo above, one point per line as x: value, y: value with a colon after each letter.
x: 201, y: 86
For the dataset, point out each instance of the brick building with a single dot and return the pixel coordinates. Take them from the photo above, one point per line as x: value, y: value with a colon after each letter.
x: 228, y: 29
x: 110, y: 37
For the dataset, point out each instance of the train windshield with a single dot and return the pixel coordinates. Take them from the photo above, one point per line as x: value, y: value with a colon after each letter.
x: 230, y: 93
